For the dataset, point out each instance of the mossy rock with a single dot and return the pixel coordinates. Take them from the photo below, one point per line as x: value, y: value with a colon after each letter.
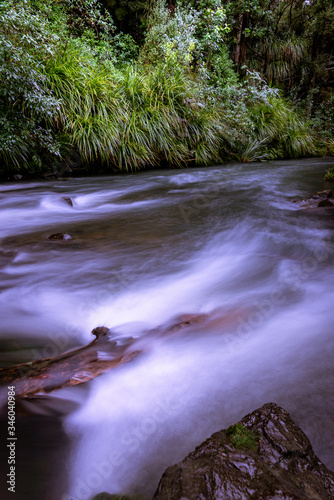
x: 284, y: 465
x: 241, y: 437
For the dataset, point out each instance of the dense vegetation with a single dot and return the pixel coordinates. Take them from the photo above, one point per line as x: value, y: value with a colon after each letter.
x: 127, y: 85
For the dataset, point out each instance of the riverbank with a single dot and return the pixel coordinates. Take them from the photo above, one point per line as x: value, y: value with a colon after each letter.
x: 71, y: 95
x: 74, y: 168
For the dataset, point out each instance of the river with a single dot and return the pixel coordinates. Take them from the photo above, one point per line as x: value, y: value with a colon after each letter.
x: 225, y: 244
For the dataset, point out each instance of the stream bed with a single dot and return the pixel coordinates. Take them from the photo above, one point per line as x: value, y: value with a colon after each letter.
x: 223, y: 248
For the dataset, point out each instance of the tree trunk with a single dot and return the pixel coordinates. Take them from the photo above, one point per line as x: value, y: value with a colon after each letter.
x: 237, y: 48
x: 241, y: 47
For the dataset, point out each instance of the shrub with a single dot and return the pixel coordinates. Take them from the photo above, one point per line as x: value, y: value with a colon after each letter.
x: 283, y: 128
x: 27, y: 107
x: 329, y: 176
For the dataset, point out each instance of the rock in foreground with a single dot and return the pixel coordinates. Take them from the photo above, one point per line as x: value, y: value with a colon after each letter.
x: 265, y: 456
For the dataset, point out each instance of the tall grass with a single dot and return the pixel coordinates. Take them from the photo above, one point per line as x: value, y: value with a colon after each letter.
x: 131, y: 117
x: 253, y: 151
x: 283, y: 128
x: 56, y: 89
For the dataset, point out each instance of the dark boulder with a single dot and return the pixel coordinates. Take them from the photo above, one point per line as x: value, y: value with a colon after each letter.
x: 265, y: 456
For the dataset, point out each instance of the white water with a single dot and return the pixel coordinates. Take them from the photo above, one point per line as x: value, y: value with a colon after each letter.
x: 223, y: 241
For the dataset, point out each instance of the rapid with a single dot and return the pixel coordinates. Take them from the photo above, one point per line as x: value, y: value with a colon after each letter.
x: 224, y: 248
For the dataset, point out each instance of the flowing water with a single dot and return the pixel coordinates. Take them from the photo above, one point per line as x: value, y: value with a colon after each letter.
x: 224, y: 247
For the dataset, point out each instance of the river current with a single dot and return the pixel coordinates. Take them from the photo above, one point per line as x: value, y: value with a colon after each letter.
x: 224, y: 244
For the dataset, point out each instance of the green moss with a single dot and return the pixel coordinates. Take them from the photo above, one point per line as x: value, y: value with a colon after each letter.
x: 241, y: 437
x: 329, y: 176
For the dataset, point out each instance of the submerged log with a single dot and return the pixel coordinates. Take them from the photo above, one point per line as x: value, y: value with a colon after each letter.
x: 103, y: 354
x: 71, y: 368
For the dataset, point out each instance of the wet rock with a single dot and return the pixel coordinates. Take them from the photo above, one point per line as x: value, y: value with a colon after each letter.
x: 320, y: 199
x: 265, y: 456
x: 59, y: 237
x: 325, y: 192
x: 68, y: 200
x: 325, y: 203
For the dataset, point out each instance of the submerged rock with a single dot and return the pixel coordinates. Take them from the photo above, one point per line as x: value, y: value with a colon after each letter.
x: 59, y: 237
x: 265, y: 456
x: 68, y: 200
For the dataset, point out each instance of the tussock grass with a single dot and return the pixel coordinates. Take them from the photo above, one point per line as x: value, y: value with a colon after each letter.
x: 131, y: 117
x: 57, y: 93
x: 283, y: 129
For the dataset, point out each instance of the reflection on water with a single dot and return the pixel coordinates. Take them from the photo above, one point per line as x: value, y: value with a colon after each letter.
x: 222, y: 242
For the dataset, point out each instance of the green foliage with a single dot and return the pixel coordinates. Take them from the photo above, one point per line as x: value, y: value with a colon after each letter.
x: 130, y: 117
x: 235, y: 104
x: 70, y: 80
x: 329, y: 176
x: 254, y: 151
x: 322, y: 120
x: 288, y: 41
x: 241, y: 437
x: 83, y: 15
x: 190, y: 38
x: 27, y: 107
x: 171, y: 37
x: 283, y: 128
x: 282, y: 56
x: 91, y: 21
